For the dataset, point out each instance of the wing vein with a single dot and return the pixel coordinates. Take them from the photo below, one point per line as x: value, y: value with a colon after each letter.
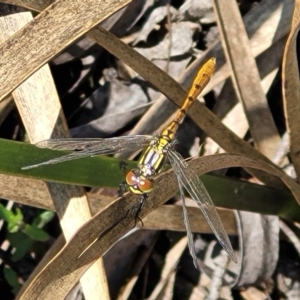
x: 199, y: 194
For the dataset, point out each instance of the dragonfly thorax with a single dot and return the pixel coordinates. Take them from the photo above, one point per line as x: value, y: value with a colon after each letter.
x: 150, y: 163
x: 152, y: 159
x: 138, y: 183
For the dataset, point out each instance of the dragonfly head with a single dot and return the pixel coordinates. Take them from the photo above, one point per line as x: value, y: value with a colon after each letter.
x: 137, y: 183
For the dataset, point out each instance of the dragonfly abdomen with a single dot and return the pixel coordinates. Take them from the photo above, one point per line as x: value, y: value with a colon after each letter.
x: 198, y: 84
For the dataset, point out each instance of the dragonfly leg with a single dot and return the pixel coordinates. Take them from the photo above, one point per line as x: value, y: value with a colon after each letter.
x: 122, y: 188
x: 123, y: 165
x: 140, y: 207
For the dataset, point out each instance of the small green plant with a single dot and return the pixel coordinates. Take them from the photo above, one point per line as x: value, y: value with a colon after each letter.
x: 22, y: 238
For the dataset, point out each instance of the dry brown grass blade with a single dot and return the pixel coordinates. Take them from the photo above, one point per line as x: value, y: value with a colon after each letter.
x: 245, y: 77
x: 136, y: 269
x: 52, y: 251
x: 268, y: 64
x: 98, y: 234
x: 173, y: 213
x: 171, y: 261
x: 290, y: 234
x: 40, y: 109
x: 30, y: 4
x: 45, y: 36
x: 291, y: 89
x: 266, y: 24
x: 34, y: 193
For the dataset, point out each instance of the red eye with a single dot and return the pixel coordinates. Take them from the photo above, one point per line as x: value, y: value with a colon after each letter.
x: 138, y: 184
x: 131, y: 178
x: 145, y: 185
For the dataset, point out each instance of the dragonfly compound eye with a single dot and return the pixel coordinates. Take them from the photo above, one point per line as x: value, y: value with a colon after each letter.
x: 138, y: 184
x: 145, y: 185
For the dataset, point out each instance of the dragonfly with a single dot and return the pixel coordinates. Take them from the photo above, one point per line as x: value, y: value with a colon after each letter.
x: 157, y: 149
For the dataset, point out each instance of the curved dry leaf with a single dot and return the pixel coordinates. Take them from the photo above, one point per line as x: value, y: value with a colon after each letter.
x: 118, y: 113
x: 131, y: 251
x: 268, y: 64
x: 291, y: 89
x: 259, y: 248
x: 180, y: 42
x: 98, y: 234
x: 31, y: 4
x: 170, y: 265
x: 45, y: 36
x: 156, y: 16
x: 291, y: 235
x: 173, y: 213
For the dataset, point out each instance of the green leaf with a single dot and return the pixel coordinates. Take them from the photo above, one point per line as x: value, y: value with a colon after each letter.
x: 9, y: 216
x: 85, y: 171
x: 13, y: 227
x: 6, y: 215
x: 43, y: 218
x: 22, y: 244
x: 35, y: 233
x: 14, y: 220
x: 12, y: 278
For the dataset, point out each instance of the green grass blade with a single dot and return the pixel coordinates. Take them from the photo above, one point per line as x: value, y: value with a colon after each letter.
x: 90, y: 171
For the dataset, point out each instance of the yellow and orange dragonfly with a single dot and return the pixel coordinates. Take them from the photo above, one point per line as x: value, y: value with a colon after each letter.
x: 157, y: 150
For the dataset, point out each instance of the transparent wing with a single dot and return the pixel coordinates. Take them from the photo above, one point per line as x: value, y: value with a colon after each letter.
x: 90, y: 147
x: 187, y: 225
x: 194, y: 186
